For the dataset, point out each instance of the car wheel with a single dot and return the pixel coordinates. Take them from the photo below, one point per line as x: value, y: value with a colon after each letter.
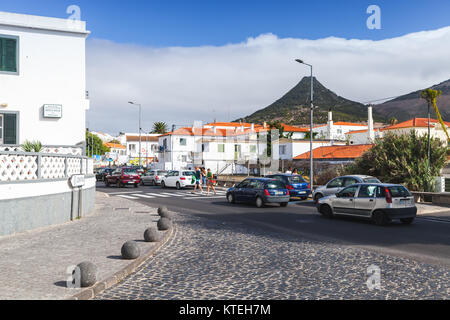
x: 259, y: 202
x: 380, y: 218
x: 326, y: 211
x: 407, y: 220
x: 163, y: 185
x: 230, y: 198
x: 135, y: 185
x: 283, y: 204
x: 178, y: 186
x: 317, y: 197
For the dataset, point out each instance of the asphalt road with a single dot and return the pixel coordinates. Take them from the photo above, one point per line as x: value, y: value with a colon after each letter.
x: 426, y: 240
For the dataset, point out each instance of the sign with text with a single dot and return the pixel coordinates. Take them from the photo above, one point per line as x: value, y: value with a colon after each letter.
x: 52, y: 111
x: 77, y: 180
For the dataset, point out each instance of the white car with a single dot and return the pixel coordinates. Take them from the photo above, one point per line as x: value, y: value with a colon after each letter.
x: 178, y: 179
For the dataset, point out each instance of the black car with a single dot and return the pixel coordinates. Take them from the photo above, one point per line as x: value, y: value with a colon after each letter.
x: 259, y: 191
x: 102, y: 173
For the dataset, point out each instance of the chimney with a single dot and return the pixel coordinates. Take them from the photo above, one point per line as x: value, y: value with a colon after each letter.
x: 330, y: 124
x: 215, y: 129
x: 265, y: 124
x: 253, y: 127
x: 370, y: 132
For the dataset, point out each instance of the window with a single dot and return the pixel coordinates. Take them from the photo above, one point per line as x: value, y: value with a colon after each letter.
x: 8, y: 128
x: 367, y: 191
x: 132, y: 147
x: 183, y: 158
x: 282, y: 149
x: 253, y: 149
x: 182, y: 141
x: 275, y: 184
x: 336, y: 183
x: 221, y: 147
x: 8, y: 54
x: 349, y: 182
x: 348, y: 192
x: 339, y: 131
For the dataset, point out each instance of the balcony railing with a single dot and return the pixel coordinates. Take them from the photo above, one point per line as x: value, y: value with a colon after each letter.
x: 24, y: 166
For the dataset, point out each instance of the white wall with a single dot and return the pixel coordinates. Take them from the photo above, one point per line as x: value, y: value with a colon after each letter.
x: 51, y: 71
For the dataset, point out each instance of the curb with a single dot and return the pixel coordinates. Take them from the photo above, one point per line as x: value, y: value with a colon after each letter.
x: 107, y: 283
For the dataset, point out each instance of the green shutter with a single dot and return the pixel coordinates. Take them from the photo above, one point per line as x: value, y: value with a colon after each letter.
x: 10, y: 128
x: 8, y: 51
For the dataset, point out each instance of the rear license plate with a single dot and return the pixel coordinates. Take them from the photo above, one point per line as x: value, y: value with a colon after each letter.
x: 278, y: 193
x: 405, y: 201
x: 302, y: 192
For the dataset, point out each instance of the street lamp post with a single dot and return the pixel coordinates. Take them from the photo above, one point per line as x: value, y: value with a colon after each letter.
x: 311, y: 173
x: 140, y: 129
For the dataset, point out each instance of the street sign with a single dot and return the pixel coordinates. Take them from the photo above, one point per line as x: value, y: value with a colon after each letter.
x: 77, y: 180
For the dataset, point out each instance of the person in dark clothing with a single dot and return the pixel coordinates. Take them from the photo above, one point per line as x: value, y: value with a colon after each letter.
x: 198, y: 180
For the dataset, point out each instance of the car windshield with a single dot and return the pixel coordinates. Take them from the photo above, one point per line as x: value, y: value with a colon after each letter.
x: 399, y: 191
x: 129, y: 171
x: 296, y: 179
x: 275, y: 184
x: 371, y: 180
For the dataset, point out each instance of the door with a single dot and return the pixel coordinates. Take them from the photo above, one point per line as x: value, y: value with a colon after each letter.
x: 240, y: 189
x: 365, y: 201
x: 249, y: 193
x: 334, y: 186
x: 345, y: 200
x: 1, y: 129
x: 172, y: 179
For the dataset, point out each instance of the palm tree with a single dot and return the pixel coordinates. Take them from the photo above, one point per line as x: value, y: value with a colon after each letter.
x: 393, y: 121
x: 431, y: 96
x: 159, y: 127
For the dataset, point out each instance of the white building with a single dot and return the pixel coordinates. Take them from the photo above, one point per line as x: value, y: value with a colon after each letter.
x: 290, y: 148
x: 149, y: 147
x: 42, y: 80
x: 336, y: 130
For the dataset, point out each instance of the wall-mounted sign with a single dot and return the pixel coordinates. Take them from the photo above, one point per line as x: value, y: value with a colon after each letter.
x: 52, y: 111
x: 77, y: 180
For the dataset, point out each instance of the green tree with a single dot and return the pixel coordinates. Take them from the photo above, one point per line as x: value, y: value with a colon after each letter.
x: 401, y: 159
x: 159, y: 127
x: 94, y: 142
x: 393, y: 121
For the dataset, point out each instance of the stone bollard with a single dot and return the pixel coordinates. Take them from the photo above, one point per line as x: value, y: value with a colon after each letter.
x: 162, y: 209
x: 130, y: 250
x: 88, y: 274
x: 164, y: 224
x: 165, y: 213
x: 152, y: 235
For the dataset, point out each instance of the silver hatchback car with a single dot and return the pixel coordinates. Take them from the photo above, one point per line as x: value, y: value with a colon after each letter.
x: 337, y: 184
x: 377, y: 201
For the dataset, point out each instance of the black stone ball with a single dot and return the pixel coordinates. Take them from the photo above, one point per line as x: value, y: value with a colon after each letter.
x: 152, y: 235
x: 88, y: 274
x: 130, y: 250
x: 164, y: 224
x: 167, y: 214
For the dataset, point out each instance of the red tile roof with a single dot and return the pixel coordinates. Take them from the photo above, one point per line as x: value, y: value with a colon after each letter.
x: 288, y: 128
x: 336, y: 152
x: 114, y: 145
x: 143, y: 138
x: 415, y: 123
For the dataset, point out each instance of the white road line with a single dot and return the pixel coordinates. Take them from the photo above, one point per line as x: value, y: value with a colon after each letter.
x: 158, y: 195
x: 126, y: 197
x: 172, y: 194
x: 206, y: 197
x: 143, y: 196
x: 123, y: 192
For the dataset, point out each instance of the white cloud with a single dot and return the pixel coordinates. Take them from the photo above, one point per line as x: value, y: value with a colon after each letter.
x: 181, y: 84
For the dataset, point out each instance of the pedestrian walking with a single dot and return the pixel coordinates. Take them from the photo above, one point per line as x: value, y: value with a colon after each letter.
x: 198, y: 180
x: 289, y: 170
x: 203, y: 176
x: 210, y: 182
x: 295, y: 171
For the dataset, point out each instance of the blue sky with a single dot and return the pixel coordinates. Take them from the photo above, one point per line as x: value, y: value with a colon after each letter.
x: 201, y: 22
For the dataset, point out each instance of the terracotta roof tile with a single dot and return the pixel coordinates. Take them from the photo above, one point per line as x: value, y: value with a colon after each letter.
x: 336, y: 152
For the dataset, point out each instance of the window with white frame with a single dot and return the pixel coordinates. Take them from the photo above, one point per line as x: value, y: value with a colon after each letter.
x: 221, y: 147
x: 8, y: 54
x: 183, y: 141
x: 282, y: 149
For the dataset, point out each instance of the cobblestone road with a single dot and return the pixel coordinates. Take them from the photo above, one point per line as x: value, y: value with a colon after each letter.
x: 208, y: 259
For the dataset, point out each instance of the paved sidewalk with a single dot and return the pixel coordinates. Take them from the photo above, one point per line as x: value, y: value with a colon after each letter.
x: 433, y: 210
x: 33, y: 264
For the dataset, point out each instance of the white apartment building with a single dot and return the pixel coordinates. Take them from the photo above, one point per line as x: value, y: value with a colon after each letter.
x: 42, y: 80
x: 223, y: 149
x: 149, y: 147
x: 336, y: 130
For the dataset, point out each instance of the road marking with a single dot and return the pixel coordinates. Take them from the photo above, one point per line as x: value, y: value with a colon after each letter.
x: 206, y: 197
x: 123, y: 192
x: 143, y: 196
x: 158, y: 195
x: 172, y: 194
x: 127, y: 197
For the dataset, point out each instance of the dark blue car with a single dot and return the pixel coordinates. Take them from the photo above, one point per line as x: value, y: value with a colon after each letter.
x: 259, y: 191
x: 299, y: 188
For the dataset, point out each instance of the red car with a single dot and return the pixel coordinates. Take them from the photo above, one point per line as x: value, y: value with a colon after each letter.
x: 122, y: 177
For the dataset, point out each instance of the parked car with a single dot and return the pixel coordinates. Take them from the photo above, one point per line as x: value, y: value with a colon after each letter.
x: 102, y: 173
x: 337, y: 184
x: 259, y: 191
x: 153, y: 177
x: 377, y: 201
x: 122, y: 177
x: 178, y: 179
x: 299, y: 188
